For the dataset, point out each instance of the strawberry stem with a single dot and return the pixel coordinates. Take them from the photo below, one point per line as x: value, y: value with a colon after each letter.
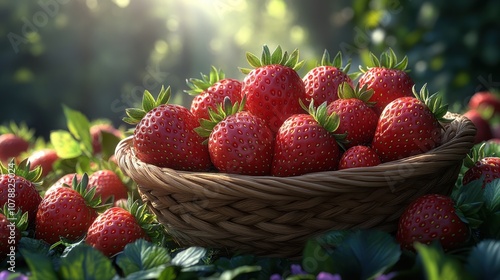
x: 134, y: 115
x: 198, y: 86
x: 276, y: 57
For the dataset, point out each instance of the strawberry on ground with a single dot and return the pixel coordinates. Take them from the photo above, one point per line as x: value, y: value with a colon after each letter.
x: 322, y: 82
x: 210, y: 91
x: 116, y: 227
x: 273, y: 88
x: 432, y: 217
x: 305, y: 143
x: 66, y: 212
x: 238, y: 141
x: 387, y: 77
x: 357, y: 118
x: 12, y: 224
x: 44, y: 158
x: 358, y: 156
x: 108, y: 185
x: 409, y: 126
x: 164, y: 134
x: 18, y: 185
x: 14, y: 140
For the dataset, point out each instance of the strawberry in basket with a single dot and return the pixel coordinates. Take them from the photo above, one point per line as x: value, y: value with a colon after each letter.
x: 164, y: 134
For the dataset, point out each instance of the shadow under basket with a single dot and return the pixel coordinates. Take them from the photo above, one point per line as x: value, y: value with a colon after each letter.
x: 274, y: 216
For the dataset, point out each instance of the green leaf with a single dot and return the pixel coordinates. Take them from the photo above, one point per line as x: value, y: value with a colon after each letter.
x: 483, y: 261
x: 142, y: 255
x: 40, y: 266
x: 109, y: 141
x: 79, y: 126
x: 189, y: 257
x: 491, y: 226
x: 84, y: 262
x: 437, y: 265
x: 234, y: 273
x: 65, y: 145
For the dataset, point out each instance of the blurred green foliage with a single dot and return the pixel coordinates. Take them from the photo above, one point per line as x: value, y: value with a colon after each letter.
x: 99, y: 56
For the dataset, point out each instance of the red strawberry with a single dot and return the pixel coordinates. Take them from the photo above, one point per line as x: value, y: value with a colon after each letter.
x: 66, y: 212
x: 388, y: 78
x: 409, y: 126
x: 96, y: 131
x: 358, y: 156
x: 238, y: 141
x: 18, y: 186
x: 357, y: 118
x: 322, y: 82
x: 44, y: 158
x: 164, y: 134
x: 485, y: 100
x: 432, y: 217
x: 66, y: 180
x: 117, y: 227
x: 483, y: 128
x: 107, y: 184
x: 487, y: 169
x: 210, y: 91
x: 273, y: 88
x: 14, y: 140
x: 305, y: 143
x: 12, y: 224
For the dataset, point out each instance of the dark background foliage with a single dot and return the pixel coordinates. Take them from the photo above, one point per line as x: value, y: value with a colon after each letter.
x: 99, y: 56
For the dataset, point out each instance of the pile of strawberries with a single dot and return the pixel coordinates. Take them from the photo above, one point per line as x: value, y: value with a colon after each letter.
x: 275, y: 122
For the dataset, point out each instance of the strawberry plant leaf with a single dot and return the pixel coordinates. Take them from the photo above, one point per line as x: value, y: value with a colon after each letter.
x: 483, y: 261
x: 189, y: 257
x: 235, y: 273
x: 85, y: 262
x: 65, y: 145
x: 491, y: 225
x: 109, y: 141
x: 437, y: 265
x: 142, y: 255
x: 39, y: 264
x: 79, y: 126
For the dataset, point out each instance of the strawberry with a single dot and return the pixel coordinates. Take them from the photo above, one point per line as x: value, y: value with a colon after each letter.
x: 432, y: 217
x: 358, y: 156
x: 18, y: 187
x: 44, y: 158
x: 14, y: 140
x: 409, y: 126
x: 66, y: 212
x: 164, y: 134
x: 65, y: 180
x: 387, y: 77
x: 12, y: 224
x: 238, y: 141
x: 108, y: 185
x: 485, y: 100
x: 273, y: 88
x: 116, y: 227
x: 486, y: 168
x: 96, y: 131
x: 357, y: 118
x: 483, y: 129
x: 322, y: 82
x: 210, y: 91
x: 305, y: 143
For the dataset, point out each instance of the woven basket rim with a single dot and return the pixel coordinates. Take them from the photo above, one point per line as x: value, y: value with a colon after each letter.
x: 459, y: 134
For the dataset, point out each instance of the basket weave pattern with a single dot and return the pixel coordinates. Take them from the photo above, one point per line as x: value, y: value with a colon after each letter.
x: 274, y: 216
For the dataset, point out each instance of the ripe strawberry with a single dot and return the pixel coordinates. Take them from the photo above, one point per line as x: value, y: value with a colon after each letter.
x: 12, y: 224
x: 485, y: 100
x: 96, y: 131
x: 358, y: 156
x: 107, y: 185
x: 483, y: 128
x: 117, y: 227
x: 14, y: 140
x: 273, y: 88
x: 357, y: 118
x: 322, y: 82
x: 44, y: 158
x: 486, y: 168
x: 66, y: 212
x: 18, y: 187
x: 305, y: 143
x: 409, y: 126
x: 164, y: 134
x: 238, y: 141
x: 387, y: 77
x: 432, y: 217
x: 65, y: 180
x: 210, y: 91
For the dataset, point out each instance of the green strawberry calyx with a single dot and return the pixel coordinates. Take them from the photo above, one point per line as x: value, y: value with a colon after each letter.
x: 18, y: 218
x: 276, y: 57
x: 135, y: 115
x: 346, y: 91
x: 145, y: 219
x: 434, y: 102
x: 336, y: 62
x: 222, y: 111
x: 20, y: 130
x: 88, y: 195
x: 475, y: 154
x: 198, y: 86
x: 388, y: 59
x: 330, y: 122
x: 23, y: 170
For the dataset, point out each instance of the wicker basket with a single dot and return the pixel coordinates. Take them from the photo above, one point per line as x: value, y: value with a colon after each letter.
x: 274, y: 216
